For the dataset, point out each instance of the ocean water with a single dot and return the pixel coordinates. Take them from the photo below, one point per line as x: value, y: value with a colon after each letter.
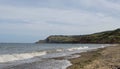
x: 19, y: 53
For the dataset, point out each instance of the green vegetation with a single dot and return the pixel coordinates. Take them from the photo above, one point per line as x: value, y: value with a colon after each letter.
x: 102, y: 37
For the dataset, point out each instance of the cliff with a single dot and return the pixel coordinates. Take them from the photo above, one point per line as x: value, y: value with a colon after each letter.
x: 101, y: 37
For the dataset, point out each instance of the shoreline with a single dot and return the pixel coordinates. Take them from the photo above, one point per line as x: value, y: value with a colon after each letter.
x: 90, y: 59
x: 101, y: 58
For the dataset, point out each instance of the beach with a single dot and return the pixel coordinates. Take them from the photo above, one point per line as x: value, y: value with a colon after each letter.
x: 41, y: 56
x: 102, y: 58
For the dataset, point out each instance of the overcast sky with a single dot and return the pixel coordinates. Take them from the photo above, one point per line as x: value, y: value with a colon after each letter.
x: 31, y: 20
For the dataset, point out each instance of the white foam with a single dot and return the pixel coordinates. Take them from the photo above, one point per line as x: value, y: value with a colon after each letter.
x: 59, y: 50
x: 102, y: 46
x: 77, y: 48
x: 22, y: 56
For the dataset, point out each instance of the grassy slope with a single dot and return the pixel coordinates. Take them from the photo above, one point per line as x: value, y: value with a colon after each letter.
x: 102, y: 37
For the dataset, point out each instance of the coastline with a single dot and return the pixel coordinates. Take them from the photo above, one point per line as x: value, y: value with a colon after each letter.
x: 102, y: 58
x: 106, y: 57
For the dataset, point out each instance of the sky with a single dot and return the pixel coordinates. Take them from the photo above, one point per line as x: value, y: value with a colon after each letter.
x: 27, y: 21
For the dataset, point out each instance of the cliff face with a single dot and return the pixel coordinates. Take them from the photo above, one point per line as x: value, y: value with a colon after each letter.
x: 102, y: 37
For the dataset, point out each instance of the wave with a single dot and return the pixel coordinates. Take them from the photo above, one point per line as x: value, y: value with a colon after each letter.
x: 22, y: 56
x: 59, y: 50
x: 77, y: 48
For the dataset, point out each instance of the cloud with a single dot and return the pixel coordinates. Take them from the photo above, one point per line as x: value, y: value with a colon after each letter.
x: 106, y: 6
x: 43, y: 16
x: 58, y: 17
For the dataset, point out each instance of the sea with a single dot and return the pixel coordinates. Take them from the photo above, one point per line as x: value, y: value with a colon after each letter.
x: 40, y: 56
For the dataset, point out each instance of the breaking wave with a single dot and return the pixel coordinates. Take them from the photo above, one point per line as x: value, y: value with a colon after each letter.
x: 77, y: 48
x: 22, y: 56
